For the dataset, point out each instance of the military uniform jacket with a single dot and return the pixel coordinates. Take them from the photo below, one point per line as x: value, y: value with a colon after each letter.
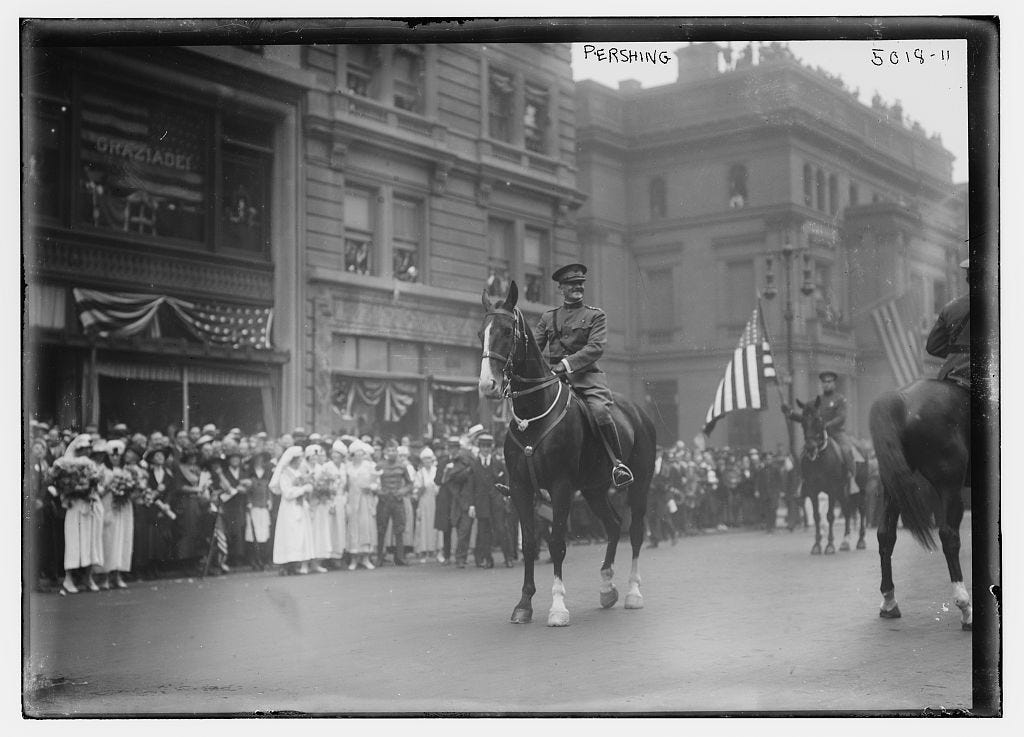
x: 951, y: 339
x: 575, y: 334
x: 833, y: 412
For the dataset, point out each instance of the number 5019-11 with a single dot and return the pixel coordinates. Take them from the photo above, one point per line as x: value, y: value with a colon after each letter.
x: 879, y: 57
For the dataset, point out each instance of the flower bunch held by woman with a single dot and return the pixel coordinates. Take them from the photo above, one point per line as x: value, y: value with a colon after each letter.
x: 325, y: 482
x: 77, y: 479
x: 126, y: 483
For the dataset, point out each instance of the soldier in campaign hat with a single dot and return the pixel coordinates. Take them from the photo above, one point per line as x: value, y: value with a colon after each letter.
x: 833, y: 414
x: 575, y: 334
x: 950, y: 338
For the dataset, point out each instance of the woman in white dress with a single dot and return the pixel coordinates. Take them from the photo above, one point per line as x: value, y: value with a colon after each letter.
x: 83, y: 525
x: 293, y: 534
x: 425, y: 540
x: 118, y: 521
x: 339, y: 528
x: 363, y: 485
x: 319, y: 507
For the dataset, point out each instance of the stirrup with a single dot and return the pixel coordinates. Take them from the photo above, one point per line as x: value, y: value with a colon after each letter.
x: 621, y: 475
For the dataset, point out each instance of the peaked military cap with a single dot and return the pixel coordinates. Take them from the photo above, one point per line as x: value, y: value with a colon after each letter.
x: 825, y: 375
x: 571, y: 272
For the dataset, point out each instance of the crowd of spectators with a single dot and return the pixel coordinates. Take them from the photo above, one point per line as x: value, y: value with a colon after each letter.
x: 106, y: 511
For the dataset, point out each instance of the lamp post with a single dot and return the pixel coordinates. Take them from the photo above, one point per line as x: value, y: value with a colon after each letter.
x: 788, y: 253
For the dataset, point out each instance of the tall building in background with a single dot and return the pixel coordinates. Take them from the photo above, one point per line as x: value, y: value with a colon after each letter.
x: 271, y: 236
x: 702, y: 190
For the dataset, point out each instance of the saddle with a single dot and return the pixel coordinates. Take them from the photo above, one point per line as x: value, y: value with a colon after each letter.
x: 622, y: 424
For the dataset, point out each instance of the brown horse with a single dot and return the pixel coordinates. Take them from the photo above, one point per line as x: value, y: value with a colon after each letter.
x: 922, y: 439
x: 552, y: 445
x: 822, y: 470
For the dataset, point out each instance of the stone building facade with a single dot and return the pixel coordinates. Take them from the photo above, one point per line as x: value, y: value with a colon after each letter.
x: 699, y: 188
x: 346, y: 202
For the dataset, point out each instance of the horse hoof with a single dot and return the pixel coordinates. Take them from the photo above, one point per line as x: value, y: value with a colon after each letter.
x: 609, y: 598
x: 845, y: 546
x: 522, y: 616
x: 830, y: 549
x: 967, y: 626
x: 816, y: 550
x: 634, y: 601
x: 558, y: 619
x: 893, y: 613
x: 861, y: 545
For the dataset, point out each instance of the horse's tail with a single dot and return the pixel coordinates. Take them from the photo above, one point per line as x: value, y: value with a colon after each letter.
x: 908, y: 488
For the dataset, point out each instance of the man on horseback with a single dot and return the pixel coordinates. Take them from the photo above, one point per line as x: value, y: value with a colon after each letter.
x: 951, y: 339
x: 833, y: 413
x: 575, y: 335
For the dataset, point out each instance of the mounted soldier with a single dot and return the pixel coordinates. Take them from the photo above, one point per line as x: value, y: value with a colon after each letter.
x: 575, y: 334
x: 833, y: 412
x: 951, y: 339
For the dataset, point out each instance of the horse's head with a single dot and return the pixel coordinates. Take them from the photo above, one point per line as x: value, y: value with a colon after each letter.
x: 503, y: 338
x: 813, y: 425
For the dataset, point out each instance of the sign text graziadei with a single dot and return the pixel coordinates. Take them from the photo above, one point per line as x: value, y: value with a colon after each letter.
x: 143, y: 153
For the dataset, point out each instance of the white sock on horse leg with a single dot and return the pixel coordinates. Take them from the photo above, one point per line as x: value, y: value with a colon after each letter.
x: 963, y: 601
x: 606, y: 580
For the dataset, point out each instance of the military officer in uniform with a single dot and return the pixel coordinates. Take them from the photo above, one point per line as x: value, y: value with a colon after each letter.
x: 833, y: 413
x: 951, y: 339
x: 575, y: 335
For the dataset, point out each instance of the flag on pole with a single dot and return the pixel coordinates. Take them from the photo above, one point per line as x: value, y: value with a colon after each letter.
x: 745, y: 381
x: 900, y: 343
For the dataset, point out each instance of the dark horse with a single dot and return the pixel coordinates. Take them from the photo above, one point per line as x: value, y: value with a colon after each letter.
x: 921, y: 435
x: 552, y: 445
x: 822, y: 470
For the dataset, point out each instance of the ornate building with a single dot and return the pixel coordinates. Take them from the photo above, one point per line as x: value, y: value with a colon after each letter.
x: 281, y: 235
x: 701, y: 192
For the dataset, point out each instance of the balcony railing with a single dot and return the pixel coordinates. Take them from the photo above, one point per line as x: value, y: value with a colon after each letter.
x: 356, y: 106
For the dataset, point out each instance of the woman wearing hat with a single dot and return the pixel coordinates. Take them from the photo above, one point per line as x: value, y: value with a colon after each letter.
x: 257, y: 524
x: 191, y: 505
x: 425, y: 490
x: 293, y: 535
x: 118, y: 521
x: 319, y: 507
x: 83, y: 523
x: 363, y: 485
x: 339, y: 511
x: 154, y: 526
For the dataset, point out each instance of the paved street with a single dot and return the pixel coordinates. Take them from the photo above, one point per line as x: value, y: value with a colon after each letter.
x: 733, y: 621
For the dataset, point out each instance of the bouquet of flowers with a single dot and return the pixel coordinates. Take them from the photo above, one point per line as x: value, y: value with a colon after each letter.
x: 76, y: 478
x: 325, y: 482
x: 124, y: 482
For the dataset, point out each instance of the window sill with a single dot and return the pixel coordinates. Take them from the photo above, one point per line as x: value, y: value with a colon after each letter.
x: 366, y: 108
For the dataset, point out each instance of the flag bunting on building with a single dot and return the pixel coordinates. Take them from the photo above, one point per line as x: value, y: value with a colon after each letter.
x: 900, y: 343
x: 745, y: 381
x: 122, y: 314
x: 397, y: 395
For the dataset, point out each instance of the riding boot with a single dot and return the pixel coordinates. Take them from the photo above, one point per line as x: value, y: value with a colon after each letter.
x: 621, y: 475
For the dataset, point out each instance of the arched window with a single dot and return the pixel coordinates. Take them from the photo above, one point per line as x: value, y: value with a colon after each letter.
x: 657, y: 195
x: 808, y: 186
x: 819, y: 182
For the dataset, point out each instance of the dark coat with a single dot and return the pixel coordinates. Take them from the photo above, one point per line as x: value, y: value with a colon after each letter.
x: 951, y: 339
x: 459, y: 476
x: 488, y: 499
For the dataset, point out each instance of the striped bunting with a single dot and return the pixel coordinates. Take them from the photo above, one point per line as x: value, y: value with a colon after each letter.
x: 746, y: 375
x: 900, y: 344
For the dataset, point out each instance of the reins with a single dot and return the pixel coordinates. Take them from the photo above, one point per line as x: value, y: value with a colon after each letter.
x: 509, y: 377
x: 811, y: 452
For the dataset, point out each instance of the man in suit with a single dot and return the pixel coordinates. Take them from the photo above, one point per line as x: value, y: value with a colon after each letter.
x: 461, y: 481
x: 442, y: 510
x: 491, y: 512
x: 575, y: 336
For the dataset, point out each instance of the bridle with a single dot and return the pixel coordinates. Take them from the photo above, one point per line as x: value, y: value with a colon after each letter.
x: 508, y: 375
x: 811, y: 449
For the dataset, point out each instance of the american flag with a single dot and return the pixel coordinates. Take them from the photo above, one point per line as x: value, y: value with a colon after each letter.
x: 900, y: 343
x: 744, y: 383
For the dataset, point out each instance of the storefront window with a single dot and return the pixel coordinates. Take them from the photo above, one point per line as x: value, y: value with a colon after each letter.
x: 144, y: 165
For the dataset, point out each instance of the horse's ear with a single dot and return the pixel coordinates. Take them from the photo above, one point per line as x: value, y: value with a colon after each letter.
x: 487, y: 302
x: 512, y: 297
x: 800, y: 404
x: 817, y: 402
